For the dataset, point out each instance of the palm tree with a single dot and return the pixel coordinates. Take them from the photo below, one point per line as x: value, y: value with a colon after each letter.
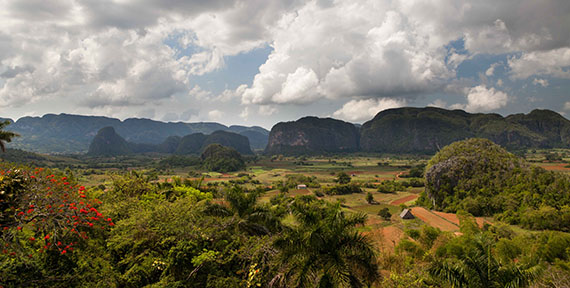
x: 5, y: 136
x: 249, y: 216
x: 479, y: 268
x: 324, y: 249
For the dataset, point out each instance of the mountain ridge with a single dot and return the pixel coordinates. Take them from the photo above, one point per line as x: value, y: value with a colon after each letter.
x: 71, y: 133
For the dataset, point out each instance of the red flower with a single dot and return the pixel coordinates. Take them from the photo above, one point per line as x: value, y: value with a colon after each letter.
x: 6, y: 228
x: 30, y: 211
x: 63, y: 178
x: 81, y: 188
x: 32, y: 239
x: 19, y: 228
x: 47, y: 237
x: 20, y: 213
x: 63, y: 252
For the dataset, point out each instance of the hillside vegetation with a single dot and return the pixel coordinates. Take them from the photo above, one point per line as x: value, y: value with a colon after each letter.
x: 312, y: 135
x: 484, y: 179
x: 108, y: 143
x: 426, y: 130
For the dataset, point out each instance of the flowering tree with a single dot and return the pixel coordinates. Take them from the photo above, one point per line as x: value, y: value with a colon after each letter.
x: 44, y: 212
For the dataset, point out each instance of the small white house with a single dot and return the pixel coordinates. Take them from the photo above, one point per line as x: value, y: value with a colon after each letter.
x: 301, y: 186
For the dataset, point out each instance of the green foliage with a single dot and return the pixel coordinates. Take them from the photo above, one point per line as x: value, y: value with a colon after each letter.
x: 5, y: 136
x: 483, y: 179
x: 342, y: 178
x: 324, y: 249
x: 471, y: 261
x: 174, y: 161
x: 385, y: 213
x: 342, y: 189
x: 221, y: 159
x: 370, y: 198
x: 391, y: 186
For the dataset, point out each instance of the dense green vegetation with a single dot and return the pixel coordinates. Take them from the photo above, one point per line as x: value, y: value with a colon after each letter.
x: 483, y: 179
x: 426, y: 130
x: 108, y: 143
x: 221, y: 159
x: 5, y: 136
x: 177, y: 223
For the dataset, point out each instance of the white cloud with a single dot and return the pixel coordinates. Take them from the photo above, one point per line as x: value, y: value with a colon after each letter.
x: 215, y: 115
x: 548, y: 63
x: 438, y: 103
x: 116, y: 56
x: 567, y: 106
x: 491, y: 69
x: 338, y: 55
x: 362, y: 110
x: 541, y: 82
x: 267, y: 110
x: 483, y: 99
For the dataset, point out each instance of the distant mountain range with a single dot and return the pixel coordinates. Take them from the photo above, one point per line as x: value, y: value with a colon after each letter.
x: 65, y: 133
x: 401, y: 130
x: 418, y: 130
x: 108, y: 143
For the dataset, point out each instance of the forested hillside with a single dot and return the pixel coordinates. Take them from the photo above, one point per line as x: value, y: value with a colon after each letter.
x: 426, y: 130
x: 483, y: 179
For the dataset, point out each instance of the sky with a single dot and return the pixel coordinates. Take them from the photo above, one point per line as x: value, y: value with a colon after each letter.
x: 259, y: 62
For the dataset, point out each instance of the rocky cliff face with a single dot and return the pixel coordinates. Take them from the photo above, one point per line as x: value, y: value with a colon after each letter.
x: 312, y: 135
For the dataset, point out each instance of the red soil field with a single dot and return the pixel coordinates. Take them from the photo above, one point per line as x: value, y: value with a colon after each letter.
x: 404, y: 200
x: 555, y: 166
x: 387, y: 237
x: 453, y: 218
x: 433, y: 219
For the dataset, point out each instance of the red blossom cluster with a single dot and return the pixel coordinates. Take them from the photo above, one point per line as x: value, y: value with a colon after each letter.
x: 50, y: 208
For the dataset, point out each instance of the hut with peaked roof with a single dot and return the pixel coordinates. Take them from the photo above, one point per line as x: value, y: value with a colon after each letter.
x: 407, y: 214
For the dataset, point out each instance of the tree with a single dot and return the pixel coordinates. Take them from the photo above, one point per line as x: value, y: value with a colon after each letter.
x: 370, y: 198
x: 5, y: 136
x: 325, y: 249
x: 477, y: 266
x: 342, y: 178
x: 385, y: 213
x: 222, y: 159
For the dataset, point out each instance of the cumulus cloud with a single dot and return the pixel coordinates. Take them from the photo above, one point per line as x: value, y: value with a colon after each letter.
x: 567, y: 106
x: 362, y: 110
x: 106, y: 56
x: 483, y: 99
x: 267, y: 110
x: 330, y: 53
x: 549, y: 63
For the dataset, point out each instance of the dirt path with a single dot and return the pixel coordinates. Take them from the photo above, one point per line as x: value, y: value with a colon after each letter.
x: 433, y: 219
